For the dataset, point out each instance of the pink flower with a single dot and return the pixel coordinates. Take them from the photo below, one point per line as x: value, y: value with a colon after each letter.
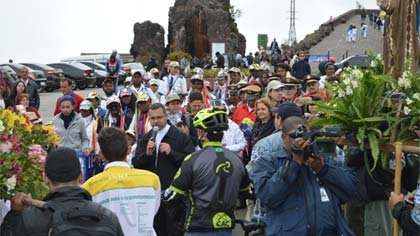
x: 16, y: 168
x: 37, y: 153
x: 6, y: 147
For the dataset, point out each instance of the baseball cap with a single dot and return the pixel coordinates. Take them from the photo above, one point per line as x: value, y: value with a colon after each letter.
x: 125, y: 92
x: 220, y: 75
x: 85, y: 105
x: 112, y: 99
x: 287, y: 109
x: 196, y: 77
x: 62, y: 165
x: 132, y: 133
x: 133, y: 72
x: 92, y: 95
x: 154, y: 70
x: 154, y: 81
x: 174, y: 64
x: 274, y: 84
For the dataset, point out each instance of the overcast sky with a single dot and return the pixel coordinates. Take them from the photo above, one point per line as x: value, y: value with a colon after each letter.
x: 48, y: 30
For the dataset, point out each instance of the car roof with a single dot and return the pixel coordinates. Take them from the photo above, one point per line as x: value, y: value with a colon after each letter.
x: 43, y: 66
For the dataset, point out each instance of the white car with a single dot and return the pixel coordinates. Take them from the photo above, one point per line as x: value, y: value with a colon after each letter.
x: 134, y: 66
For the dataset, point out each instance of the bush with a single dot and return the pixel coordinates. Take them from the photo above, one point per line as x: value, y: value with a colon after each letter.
x: 177, y: 56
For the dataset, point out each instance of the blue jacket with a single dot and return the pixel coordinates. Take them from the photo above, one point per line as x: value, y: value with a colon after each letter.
x: 291, y: 196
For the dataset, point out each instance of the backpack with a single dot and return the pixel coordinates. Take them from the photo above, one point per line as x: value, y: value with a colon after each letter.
x: 80, y: 218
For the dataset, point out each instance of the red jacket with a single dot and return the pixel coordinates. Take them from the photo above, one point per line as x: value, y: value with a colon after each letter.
x: 242, y: 112
x: 77, y: 99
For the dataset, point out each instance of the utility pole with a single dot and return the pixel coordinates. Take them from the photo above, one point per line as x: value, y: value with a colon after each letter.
x: 292, y: 28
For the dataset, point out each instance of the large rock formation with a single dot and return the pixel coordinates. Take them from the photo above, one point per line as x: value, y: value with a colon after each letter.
x: 195, y: 24
x: 149, y: 41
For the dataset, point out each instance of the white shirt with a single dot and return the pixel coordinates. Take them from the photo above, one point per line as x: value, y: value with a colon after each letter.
x: 233, y: 138
x: 179, y: 85
x: 2, y: 104
x: 159, y: 137
x: 322, y: 81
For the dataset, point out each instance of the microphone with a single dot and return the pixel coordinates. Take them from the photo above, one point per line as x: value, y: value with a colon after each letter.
x: 154, y: 132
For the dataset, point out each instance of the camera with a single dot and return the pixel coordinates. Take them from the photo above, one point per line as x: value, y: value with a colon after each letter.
x: 321, y: 144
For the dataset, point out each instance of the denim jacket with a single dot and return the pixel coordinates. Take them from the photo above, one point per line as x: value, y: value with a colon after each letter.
x: 297, y: 201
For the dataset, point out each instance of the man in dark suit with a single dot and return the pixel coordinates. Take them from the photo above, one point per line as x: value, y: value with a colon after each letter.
x: 163, y: 154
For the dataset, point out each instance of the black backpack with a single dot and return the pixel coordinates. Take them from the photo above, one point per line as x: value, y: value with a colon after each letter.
x: 82, y: 218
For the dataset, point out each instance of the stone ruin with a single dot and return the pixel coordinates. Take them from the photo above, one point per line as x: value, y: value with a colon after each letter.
x: 149, y: 40
x: 193, y: 26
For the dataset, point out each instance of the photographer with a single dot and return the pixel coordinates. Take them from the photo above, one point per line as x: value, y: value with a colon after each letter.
x: 302, y: 196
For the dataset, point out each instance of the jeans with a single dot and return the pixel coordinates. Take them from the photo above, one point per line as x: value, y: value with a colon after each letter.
x: 213, y: 233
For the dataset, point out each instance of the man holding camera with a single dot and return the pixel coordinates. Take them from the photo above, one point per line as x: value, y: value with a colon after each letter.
x: 301, y: 192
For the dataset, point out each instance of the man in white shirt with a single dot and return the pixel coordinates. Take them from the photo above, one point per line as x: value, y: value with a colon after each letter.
x: 174, y: 82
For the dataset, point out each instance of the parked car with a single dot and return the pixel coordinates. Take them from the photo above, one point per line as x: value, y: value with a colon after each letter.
x: 5, y: 81
x: 361, y: 61
x: 99, y: 58
x: 133, y: 66
x: 36, y: 75
x: 53, y: 75
x: 10, y: 74
x: 82, y: 75
x: 99, y: 70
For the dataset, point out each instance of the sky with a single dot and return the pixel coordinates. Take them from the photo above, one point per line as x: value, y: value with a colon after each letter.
x: 46, y: 31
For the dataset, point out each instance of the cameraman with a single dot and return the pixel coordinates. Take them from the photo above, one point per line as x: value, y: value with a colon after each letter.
x: 302, y: 197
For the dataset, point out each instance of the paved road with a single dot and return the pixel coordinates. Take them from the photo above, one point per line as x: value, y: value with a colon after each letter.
x: 48, y: 101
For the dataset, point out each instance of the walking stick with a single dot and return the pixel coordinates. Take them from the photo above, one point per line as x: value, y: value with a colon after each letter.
x: 397, y: 180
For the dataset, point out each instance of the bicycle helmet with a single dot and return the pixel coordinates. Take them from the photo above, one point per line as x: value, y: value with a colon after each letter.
x: 211, y: 121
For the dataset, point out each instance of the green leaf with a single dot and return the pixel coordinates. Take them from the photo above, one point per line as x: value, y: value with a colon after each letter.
x: 370, y: 119
x: 359, y: 114
x: 361, y: 136
x: 374, y: 147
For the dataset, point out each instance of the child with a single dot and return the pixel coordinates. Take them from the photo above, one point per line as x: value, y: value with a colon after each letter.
x: 132, y: 145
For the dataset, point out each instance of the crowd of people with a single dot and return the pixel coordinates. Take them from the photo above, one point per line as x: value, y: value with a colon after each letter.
x: 166, y: 155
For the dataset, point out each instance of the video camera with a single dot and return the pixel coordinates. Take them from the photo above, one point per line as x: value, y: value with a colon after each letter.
x: 320, y: 143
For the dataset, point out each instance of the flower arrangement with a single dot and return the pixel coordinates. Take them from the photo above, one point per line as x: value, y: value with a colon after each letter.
x: 370, y: 106
x: 22, y: 154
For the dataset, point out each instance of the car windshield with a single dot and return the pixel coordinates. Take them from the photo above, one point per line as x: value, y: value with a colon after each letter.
x: 135, y: 66
x: 80, y: 66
